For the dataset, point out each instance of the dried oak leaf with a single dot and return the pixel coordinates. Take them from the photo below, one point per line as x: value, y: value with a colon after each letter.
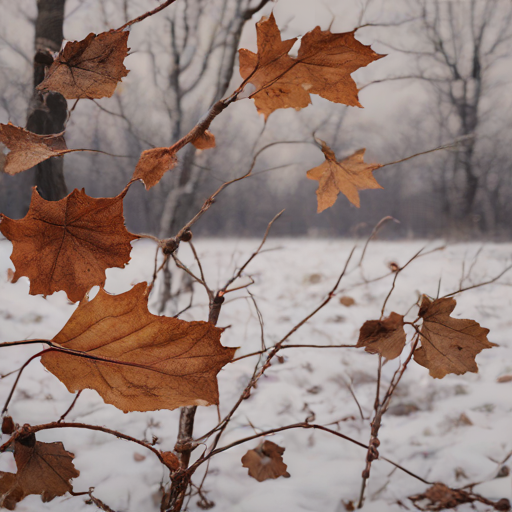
x: 265, y: 461
x: 43, y: 468
x: 68, y: 244
x: 448, y: 345
x: 90, y: 68
x: 385, y: 337
x: 323, y: 66
x: 347, y: 176
x: 144, y: 362
x: 27, y: 149
x: 153, y: 164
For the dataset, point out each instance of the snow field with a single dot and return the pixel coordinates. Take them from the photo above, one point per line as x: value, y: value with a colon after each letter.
x: 454, y: 430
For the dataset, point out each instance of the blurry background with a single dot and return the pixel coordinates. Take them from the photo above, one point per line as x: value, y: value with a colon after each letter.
x: 447, y: 75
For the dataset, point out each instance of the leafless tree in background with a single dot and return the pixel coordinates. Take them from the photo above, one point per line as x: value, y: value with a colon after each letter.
x: 464, y: 42
x: 197, y: 48
x: 46, y: 114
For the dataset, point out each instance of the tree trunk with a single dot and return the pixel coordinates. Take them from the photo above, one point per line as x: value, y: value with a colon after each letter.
x: 48, y: 112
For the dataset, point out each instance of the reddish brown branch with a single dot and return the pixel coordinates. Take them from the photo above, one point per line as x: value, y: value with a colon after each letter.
x: 32, y: 429
x: 304, y: 425
x: 147, y: 14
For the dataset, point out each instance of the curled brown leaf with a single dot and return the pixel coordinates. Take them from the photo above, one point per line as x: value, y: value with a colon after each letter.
x: 153, y: 164
x: 385, y: 337
x: 28, y: 149
x: 90, y: 68
x: 205, y: 141
x: 265, y: 462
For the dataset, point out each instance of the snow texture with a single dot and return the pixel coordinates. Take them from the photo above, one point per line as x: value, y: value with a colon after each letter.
x: 456, y: 430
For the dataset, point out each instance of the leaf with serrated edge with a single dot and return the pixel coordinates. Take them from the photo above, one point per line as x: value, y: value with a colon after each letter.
x: 43, y: 468
x: 90, y: 68
x: 68, y: 244
x: 448, y: 345
x: 347, y: 176
x: 323, y: 66
x: 147, y: 362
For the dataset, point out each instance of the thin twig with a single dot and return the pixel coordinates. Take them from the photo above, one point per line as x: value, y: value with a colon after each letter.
x: 32, y: 429
x: 259, y: 352
x: 70, y: 407
x: 253, y: 255
x: 493, y: 280
x: 304, y: 425
x: 146, y: 15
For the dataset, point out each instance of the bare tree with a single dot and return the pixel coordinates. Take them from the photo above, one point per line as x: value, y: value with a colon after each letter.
x: 194, y: 64
x: 463, y: 43
x: 48, y: 112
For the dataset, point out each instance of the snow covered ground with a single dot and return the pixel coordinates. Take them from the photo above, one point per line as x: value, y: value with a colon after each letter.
x: 455, y: 430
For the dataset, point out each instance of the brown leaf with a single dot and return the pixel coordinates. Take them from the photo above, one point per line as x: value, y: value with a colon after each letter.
x: 448, y: 345
x: 348, y: 177
x: 153, y: 164
x: 205, y: 141
x: 385, y: 337
x: 27, y: 149
x: 90, y: 68
x: 347, y: 301
x: 8, y: 426
x: 323, y: 66
x: 171, y: 461
x: 441, y: 497
x: 68, y: 244
x: 153, y: 362
x: 266, y: 461
x: 43, y: 468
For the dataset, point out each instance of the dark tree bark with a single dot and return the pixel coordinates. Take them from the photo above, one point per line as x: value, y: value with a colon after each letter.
x: 48, y: 112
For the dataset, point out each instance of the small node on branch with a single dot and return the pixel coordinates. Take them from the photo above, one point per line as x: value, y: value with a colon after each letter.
x: 186, y: 236
x: 8, y: 426
x: 170, y: 246
x: 43, y: 57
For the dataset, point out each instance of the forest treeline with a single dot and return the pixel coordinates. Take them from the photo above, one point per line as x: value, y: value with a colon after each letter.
x: 449, y: 60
